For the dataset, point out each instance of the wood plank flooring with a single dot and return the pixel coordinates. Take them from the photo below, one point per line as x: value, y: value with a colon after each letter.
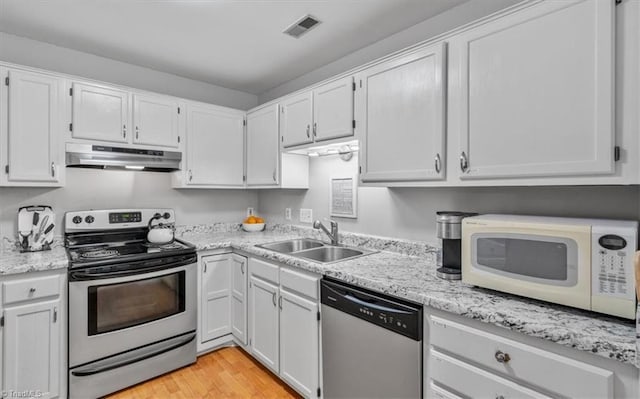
x: 226, y: 373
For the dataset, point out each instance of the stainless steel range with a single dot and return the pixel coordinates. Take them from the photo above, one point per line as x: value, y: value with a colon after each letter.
x: 132, y: 304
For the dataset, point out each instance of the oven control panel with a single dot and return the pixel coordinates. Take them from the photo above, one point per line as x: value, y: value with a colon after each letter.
x: 112, y: 219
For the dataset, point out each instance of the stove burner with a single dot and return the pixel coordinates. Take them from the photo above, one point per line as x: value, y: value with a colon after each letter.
x: 100, y: 253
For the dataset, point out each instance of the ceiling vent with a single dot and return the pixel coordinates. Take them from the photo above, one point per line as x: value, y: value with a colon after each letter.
x: 302, y: 26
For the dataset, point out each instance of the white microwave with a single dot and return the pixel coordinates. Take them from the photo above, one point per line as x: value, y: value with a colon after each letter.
x: 583, y: 263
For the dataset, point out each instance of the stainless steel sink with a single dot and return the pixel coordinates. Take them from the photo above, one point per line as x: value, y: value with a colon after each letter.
x: 330, y: 254
x: 290, y: 246
x: 315, y: 250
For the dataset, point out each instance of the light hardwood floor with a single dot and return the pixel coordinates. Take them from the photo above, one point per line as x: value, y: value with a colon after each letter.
x: 226, y: 373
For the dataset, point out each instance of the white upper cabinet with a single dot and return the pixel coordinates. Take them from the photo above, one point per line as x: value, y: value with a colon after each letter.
x: 30, y: 138
x: 401, y: 110
x: 100, y: 113
x: 263, y: 146
x: 333, y: 110
x: 532, y: 92
x: 155, y: 120
x: 215, y: 146
x: 297, y: 119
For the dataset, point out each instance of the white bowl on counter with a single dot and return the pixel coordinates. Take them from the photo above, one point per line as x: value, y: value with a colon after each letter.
x: 253, y: 227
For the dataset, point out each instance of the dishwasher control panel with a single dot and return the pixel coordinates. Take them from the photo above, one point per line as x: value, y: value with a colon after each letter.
x: 390, y: 313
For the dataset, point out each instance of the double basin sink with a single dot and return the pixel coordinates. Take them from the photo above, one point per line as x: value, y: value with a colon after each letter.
x: 315, y: 250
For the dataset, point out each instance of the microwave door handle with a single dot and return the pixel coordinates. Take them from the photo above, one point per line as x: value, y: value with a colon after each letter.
x: 128, y: 359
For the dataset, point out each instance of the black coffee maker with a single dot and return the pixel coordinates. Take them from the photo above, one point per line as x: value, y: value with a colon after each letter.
x: 449, y: 231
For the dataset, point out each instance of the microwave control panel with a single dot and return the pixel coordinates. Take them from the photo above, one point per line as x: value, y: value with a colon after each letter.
x: 612, y: 262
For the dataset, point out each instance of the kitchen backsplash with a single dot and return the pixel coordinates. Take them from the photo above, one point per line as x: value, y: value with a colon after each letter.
x: 410, y: 212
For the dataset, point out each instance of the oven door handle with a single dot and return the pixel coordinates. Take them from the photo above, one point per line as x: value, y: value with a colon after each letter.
x: 127, y: 359
x: 94, y: 273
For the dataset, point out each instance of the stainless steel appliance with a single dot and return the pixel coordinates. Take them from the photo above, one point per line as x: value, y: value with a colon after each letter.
x: 449, y: 231
x: 371, y: 344
x: 584, y: 263
x: 132, y: 304
x: 103, y: 157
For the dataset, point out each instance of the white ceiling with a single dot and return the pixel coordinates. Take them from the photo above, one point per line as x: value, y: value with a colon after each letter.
x: 232, y: 43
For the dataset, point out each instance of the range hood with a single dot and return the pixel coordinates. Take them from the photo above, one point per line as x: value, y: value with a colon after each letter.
x: 106, y: 157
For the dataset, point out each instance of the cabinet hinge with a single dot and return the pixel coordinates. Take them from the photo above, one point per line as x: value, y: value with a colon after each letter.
x: 354, y: 86
x: 361, y: 83
x: 250, y: 342
x: 244, y: 122
x: 71, y: 91
x: 2, y: 321
x: 178, y: 109
x: 354, y: 123
x: 71, y: 127
x: 282, y: 138
x: 6, y: 169
x: 319, y: 392
x: 618, y: 2
x: 6, y: 81
x: 318, y: 316
x: 178, y: 139
x: 360, y: 169
x: 244, y: 178
x: 616, y: 153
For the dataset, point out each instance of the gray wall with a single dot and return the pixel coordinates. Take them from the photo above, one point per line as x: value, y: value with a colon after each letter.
x: 410, y: 212
x: 37, y: 54
x: 97, y: 189
x: 448, y: 20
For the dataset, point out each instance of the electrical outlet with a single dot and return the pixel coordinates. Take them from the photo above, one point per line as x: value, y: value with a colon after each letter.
x: 287, y: 213
x: 306, y: 215
x: 249, y: 211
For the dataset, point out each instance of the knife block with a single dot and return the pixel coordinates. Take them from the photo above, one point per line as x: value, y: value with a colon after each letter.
x: 35, y: 228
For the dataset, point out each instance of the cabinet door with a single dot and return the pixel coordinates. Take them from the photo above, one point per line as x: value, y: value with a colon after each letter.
x: 33, y: 128
x: 216, y: 297
x: 239, y: 298
x: 533, y: 98
x: 215, y: 146
x: 263, y: 146
x: 297, y: 117
x: 32, y: 357
x: 299, y: 348
x: 100, y: 113
x: 264, y: 324
x: 401, y: 109
x: 333, y: 110
x: 155, y: 120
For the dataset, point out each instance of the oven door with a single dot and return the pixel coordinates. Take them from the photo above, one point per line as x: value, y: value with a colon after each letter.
x: 547, y: 262
x: 113, y: 309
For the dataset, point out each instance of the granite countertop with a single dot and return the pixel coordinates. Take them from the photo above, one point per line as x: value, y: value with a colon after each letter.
x: 406, y: 269
x: 12, y: 261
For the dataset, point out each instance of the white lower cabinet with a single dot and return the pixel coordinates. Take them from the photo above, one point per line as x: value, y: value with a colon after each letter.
x: 284, y: 324
x: 33, y: 336
x: 464, y: 358
x: 222, y: 298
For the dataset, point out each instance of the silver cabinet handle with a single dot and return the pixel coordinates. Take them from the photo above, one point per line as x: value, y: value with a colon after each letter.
x: 190, y: 175
x: 53, y: 169
x: 274, y: 299
x: 242, y: 268
x: 280, y: 302
x: 315, y: 129
x: 137, y: 132
x: 502, y: 357
x: 204, y: 267
x: 274, y: 175
x: 437, y: 163
x: 55, y: 314
x: 464, y: 162
x: 124, y: 131
x: 308, y: 128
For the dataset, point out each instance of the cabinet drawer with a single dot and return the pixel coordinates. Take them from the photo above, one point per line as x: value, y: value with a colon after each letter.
x: 555, y: 373
x: 32, y: 288
x: 301, y: 282
x: 437, y: 392
x: 474, y: 382
x: 264, y: 270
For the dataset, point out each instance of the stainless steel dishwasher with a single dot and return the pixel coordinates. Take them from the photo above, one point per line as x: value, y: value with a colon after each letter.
x: 371, y: 344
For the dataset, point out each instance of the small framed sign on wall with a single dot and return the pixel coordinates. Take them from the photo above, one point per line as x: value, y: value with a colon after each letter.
x: 343, y: 197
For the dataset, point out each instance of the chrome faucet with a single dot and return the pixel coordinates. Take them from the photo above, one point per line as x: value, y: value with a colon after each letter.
x: 333, y: 234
